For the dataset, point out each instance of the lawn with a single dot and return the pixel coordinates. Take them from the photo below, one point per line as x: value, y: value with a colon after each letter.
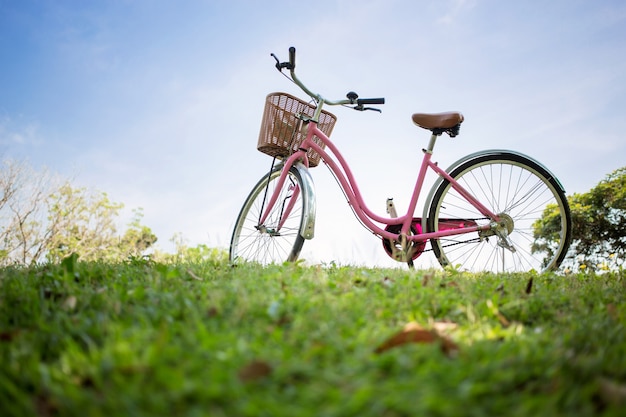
x: 209, y: 339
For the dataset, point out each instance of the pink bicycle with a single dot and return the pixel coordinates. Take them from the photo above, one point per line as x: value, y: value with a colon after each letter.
x: 480, y: 214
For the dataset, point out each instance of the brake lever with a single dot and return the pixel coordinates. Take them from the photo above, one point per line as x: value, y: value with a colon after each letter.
x: 361, y: 108
x: 280, y: 65
x: 277, y: 61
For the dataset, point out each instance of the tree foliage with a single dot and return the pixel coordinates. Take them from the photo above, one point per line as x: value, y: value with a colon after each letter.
x: 598, y: 225
x: 84, y: 223
x: 41, y: 220
x: 22, y: 212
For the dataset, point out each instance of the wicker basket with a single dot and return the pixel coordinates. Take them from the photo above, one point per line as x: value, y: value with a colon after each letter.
x: 281, y: 130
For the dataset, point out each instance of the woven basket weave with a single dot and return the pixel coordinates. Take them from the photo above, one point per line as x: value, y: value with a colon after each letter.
x: 281, y: 130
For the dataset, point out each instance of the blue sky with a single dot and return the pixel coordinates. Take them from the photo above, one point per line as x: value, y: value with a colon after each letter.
x: 158, y: 103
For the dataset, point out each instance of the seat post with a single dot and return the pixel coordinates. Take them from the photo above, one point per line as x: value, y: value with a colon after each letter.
x: 431, y: 144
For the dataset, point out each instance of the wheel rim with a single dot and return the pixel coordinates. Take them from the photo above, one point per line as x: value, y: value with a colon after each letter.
x: 278, y: 239
x: 520, y: 194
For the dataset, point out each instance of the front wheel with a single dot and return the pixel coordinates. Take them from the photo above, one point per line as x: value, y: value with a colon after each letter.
x: 517, y: 189
x: 278, y: 239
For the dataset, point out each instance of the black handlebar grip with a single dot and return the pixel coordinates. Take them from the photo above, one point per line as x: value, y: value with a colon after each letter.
x: 292, y: 58
x: 370, y: 101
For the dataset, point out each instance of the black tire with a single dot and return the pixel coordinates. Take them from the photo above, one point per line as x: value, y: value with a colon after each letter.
x: 508, y: 184
x: 264, y: 244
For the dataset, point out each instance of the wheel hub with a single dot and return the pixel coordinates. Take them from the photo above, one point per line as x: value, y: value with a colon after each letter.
x: 503, y: 227
x: 506, y: 222
x: 503, y: 230
x: 264, y: 230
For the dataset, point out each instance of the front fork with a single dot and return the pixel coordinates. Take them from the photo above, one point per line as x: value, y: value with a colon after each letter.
x: 286, y: 211
x: 307, y: 226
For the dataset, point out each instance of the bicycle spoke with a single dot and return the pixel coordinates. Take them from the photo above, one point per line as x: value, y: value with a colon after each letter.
x: 278, y: 239
x: 511, y: 187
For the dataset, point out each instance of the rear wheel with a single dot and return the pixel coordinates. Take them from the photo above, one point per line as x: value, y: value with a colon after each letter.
x: 519, y: 191
x: 278, y: 239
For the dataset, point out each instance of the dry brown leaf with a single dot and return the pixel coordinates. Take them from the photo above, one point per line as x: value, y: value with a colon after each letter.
x: 414, y: 333
x: 407, y: 336
x: 255, y: 370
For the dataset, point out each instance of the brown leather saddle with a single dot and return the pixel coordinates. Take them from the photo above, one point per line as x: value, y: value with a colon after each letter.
x: 438, y: 123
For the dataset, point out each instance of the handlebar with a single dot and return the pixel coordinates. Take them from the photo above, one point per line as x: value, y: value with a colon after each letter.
x: 380, y: 100
x: 292, y: 58
x: 352, y: 97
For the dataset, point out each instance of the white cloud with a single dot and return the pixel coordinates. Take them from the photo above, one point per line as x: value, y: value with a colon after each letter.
x: 18, y: 135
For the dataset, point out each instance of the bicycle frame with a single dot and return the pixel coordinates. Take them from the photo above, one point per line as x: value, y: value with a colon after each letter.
x: 347, y: 181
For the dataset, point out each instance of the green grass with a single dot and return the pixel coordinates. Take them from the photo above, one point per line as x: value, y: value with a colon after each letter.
x: 142, y: 339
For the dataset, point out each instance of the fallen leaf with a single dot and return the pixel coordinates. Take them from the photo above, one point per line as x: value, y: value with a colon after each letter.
x: 414, y: 333
x: 255, y: 370
x: 404, y: 337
